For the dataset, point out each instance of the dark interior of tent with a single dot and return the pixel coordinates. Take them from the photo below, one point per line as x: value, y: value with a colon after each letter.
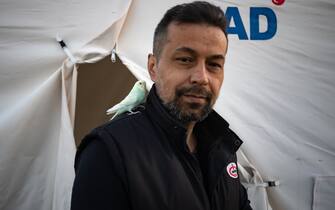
x: 99, y: 86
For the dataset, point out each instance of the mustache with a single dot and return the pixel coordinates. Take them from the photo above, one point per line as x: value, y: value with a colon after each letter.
x: 195, y: 90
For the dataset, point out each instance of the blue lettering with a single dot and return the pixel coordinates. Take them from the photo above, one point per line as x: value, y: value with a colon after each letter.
x: 255, y: 33
x: 232, y: 13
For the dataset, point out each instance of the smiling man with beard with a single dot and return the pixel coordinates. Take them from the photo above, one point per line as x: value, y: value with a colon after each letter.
x: 176, y: 153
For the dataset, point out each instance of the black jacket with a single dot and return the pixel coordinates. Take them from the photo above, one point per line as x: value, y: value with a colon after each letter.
x: 141, y: 161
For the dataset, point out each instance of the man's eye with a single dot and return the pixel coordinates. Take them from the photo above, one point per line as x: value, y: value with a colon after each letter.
x: 184, y: 59
x: 215, y: 65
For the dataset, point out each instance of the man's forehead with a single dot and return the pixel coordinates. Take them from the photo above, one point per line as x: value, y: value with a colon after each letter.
x: 180, y: 26
x: 183, y: 33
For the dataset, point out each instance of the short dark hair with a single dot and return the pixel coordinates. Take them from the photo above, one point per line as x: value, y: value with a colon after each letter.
x: 198, y: 12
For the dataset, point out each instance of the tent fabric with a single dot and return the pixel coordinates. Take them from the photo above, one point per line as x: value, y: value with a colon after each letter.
x: 38, y: 92
x: 254, y: 183
x: 278, y: 94
x: 323, y: 196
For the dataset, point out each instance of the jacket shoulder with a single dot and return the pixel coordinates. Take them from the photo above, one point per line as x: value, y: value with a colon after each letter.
x: 126, y: 130
x: 108, y: 134
x: 126, y: 124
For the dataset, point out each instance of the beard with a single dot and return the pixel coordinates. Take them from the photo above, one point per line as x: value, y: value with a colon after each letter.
x: 187, y: 112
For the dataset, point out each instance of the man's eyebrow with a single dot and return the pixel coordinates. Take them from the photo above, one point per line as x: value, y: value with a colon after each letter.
x: 193, y: 52
x: 186, y: 49
x: 218, y: 56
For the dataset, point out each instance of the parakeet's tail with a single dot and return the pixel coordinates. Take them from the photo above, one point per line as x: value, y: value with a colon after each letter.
x: 109, y: 112
x: 113, y: 109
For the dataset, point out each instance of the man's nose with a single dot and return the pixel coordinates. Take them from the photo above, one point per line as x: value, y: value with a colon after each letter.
x: 199, y: 74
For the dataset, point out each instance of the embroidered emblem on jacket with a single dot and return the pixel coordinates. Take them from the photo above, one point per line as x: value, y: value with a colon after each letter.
x: 232, y: 170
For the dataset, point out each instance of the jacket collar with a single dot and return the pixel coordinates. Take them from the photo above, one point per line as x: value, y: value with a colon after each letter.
x: 212, y: 129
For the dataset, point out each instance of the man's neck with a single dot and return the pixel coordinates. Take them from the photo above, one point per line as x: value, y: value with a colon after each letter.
x: 191, y: 141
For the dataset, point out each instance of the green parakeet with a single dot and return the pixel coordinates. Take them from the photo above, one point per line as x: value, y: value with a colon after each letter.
x: 136, y: 96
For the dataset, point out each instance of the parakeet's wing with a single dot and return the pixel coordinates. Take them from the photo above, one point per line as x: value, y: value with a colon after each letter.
x: 129, y: 100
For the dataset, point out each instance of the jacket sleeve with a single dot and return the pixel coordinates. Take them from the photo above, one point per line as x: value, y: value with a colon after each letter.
x: 244, y: 201
x: 97, y: 184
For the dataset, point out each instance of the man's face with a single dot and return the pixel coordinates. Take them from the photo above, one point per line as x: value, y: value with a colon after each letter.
x: 189, y: 72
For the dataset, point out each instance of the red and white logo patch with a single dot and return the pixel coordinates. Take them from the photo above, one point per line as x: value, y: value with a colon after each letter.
x: 232, y: 170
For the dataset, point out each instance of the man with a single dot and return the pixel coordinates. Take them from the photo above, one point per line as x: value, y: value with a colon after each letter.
x: 176, y: 153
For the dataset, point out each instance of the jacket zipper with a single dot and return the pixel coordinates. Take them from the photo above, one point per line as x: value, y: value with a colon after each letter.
x: 189, y: 160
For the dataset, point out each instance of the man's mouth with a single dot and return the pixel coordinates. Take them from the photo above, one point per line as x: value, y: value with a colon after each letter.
x: 194, y: 95
x: 195, y: 98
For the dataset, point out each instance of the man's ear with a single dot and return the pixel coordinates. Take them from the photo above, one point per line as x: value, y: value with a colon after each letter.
x: 152, y: 67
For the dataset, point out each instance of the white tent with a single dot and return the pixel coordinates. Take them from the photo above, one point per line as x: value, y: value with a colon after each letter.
x: 278, y: 94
